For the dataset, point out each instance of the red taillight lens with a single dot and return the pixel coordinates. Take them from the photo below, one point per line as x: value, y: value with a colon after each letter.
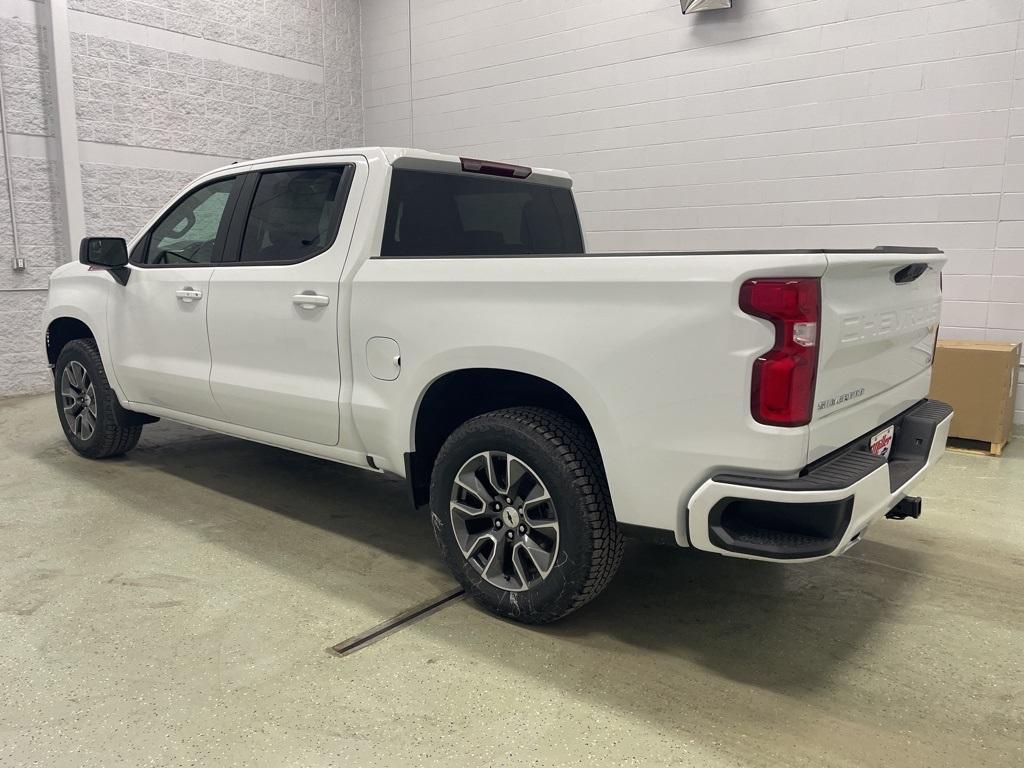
x: 782, y: 392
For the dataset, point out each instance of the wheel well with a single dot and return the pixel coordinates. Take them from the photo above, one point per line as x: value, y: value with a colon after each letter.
x: 60, y: 332
x: 459, y: 396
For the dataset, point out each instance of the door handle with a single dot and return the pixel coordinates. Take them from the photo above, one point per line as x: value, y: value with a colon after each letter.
x: 188, y: 295
x: 310, y: 300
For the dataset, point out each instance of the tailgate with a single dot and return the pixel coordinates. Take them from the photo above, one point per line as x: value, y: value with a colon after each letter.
x: 879, y: 318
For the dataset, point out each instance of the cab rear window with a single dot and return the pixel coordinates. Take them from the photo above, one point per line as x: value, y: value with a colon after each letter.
x: 440, y: 214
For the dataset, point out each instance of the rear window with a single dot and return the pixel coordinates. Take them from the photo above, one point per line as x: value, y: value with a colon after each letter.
x: 294, y: 214
x: 440, y: 214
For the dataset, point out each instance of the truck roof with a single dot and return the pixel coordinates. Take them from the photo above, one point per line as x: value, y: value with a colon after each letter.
x: 420, y: 159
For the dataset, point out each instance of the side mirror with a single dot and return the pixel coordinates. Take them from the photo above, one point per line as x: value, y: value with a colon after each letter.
x: 110, y: 253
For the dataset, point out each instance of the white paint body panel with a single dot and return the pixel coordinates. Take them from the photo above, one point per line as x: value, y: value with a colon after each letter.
x: 277, y: 364
x: 653, y: 348
x: 78, y: 293
x: 876, y: 337
x: 161, y: 349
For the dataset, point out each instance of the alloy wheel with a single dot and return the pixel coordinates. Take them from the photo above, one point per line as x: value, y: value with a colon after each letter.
x: 78, y: 398
x: 504, y: 520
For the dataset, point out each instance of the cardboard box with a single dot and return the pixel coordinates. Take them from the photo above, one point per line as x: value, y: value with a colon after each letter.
x: 979, y: 379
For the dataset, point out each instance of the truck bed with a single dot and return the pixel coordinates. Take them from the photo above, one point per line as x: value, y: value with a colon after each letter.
x: 894, y: 249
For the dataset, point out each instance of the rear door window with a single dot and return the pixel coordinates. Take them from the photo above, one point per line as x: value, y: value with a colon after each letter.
x: 294, y: 214
x: 439, y: 214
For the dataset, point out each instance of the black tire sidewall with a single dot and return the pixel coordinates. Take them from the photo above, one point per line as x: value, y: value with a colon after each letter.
x: 555, y: 595
x: 76, y: 351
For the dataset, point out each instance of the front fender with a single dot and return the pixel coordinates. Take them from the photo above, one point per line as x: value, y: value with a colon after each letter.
x: 80, y: 293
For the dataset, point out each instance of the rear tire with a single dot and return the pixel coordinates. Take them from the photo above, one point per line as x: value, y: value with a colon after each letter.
x: 553, y: 545
x: 93, y: 420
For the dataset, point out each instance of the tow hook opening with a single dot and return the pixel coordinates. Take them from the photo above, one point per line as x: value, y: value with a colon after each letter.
x: 908, y: 506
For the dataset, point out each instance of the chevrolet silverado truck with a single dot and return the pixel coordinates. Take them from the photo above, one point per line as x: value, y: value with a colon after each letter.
x: 438, y: 318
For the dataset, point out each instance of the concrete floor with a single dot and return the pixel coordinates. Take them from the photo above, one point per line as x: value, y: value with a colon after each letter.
x: 174, y: 608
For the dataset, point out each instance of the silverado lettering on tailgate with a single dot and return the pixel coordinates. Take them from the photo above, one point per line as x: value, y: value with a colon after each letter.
x: 832, y: 402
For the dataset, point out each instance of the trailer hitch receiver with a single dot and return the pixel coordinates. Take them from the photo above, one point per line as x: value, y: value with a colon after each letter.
x: 908, y: 506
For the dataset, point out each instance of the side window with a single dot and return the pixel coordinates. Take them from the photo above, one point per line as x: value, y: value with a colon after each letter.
x: 189, y: 232
x: 294, y: 214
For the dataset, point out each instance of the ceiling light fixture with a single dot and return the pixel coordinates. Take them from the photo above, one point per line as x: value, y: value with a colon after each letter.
x: 693, y: 6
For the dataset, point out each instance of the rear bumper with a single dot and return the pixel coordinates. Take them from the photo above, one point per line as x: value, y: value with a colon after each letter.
x: 826, y: 508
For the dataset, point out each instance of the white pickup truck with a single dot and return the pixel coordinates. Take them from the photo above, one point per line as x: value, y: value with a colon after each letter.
x: 438, y: 318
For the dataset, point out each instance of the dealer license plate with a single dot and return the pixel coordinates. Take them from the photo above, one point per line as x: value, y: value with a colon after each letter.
x: 881, y: 443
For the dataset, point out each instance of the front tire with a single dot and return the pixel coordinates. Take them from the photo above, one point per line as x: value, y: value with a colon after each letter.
x: 522, y: 514
x: 88, y: 409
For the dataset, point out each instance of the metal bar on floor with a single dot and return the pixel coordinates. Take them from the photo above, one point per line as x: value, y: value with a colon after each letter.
x: 400, y: 621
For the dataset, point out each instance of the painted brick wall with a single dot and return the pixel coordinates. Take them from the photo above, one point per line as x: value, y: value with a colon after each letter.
x: 27, y: 96
x: 21, y: 300
x: 120, y: 199
x: 1005, y: 317
x: 36, y: 196
x: 387, y: 67
x: 343, y: 72
x: 779, y: 123
x: 21, y: 347
x: 26, y: 85
x: 137, y: 95
x: 27, y: 99
x: 287, y: 28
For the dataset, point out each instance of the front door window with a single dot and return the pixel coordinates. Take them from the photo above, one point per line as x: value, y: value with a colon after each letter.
x: 190, y: 232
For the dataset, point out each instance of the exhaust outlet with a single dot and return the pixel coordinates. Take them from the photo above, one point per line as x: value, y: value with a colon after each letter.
x: 908, y: 506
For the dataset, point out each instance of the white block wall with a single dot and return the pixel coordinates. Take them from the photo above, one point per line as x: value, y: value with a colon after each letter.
x: 28, y: 99
x: 163, y: 90
x: 779, y: 123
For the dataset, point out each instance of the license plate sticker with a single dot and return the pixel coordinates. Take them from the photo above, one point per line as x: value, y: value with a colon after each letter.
x: 881, y: 443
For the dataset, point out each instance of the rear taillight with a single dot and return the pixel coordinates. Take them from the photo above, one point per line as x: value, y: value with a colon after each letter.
x: 782, y: 391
